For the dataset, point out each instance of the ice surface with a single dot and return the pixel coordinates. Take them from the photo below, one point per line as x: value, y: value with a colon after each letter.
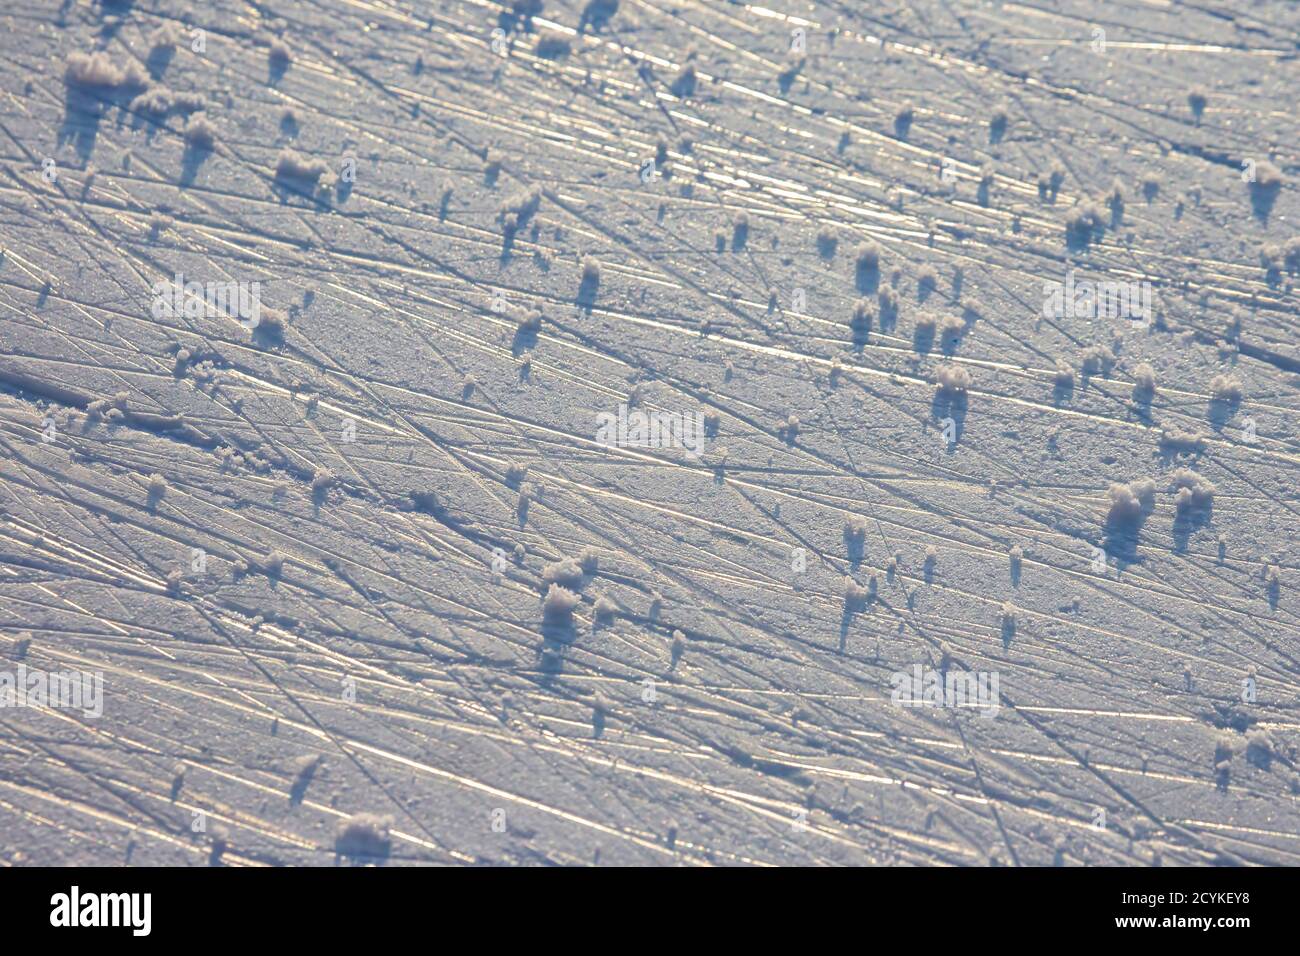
x: 484, y: 433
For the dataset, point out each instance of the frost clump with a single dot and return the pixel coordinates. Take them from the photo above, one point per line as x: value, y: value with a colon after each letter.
x: 1192, y: 492
x: 559, y: 602
x: 566, y: 573
x: 1128, y: 503
x: 1225, y: 388
x: 952, y: 379
x: 97, y: 69
x: 363, y: 835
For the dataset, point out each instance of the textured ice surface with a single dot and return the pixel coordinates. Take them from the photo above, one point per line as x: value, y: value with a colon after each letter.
x: 648, y: 433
